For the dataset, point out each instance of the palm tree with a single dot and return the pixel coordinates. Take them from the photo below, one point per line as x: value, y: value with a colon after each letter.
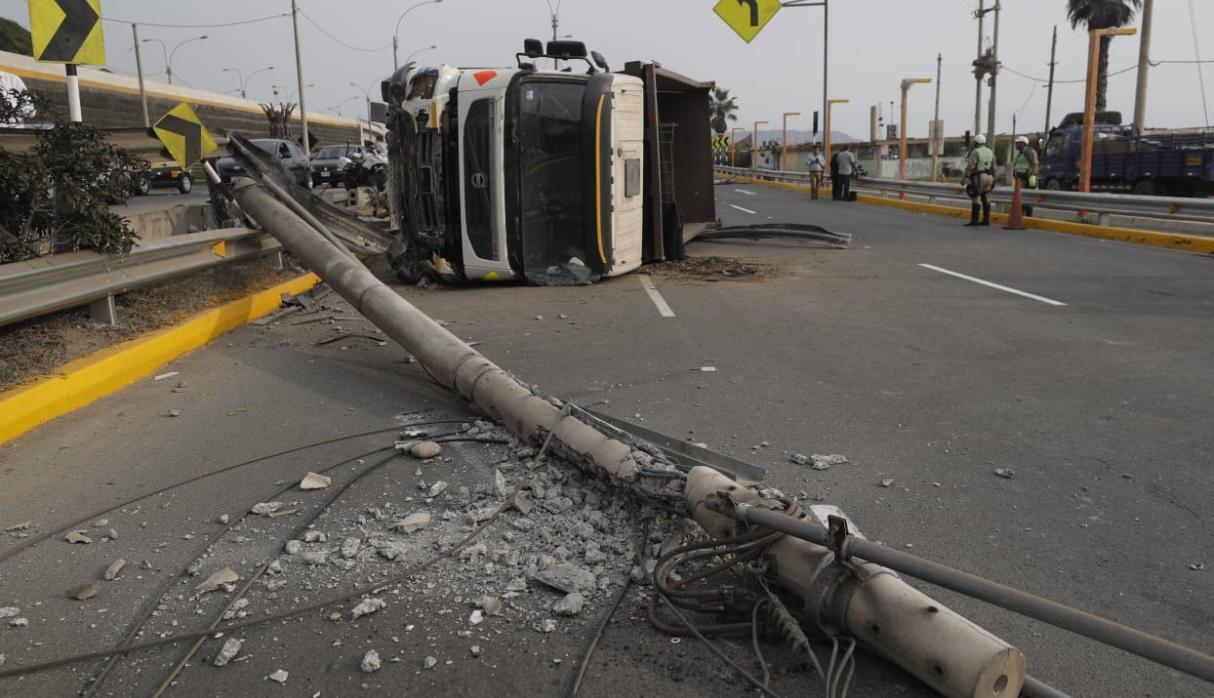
x: 722, y: 108
x: 1102, y: 14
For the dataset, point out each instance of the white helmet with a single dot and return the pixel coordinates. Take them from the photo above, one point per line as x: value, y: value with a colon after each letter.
x: 1022, y: 140
x: 979, y: 139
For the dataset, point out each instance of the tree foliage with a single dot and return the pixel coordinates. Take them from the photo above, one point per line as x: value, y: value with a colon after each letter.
x: 1102, y: 14
x: 722, y: 109
x: 55, y: 197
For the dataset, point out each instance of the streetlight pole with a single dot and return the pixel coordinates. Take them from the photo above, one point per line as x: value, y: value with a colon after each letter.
x: 396, y: 32
x: 906, y: 85
x: 168, y: 69
x: 830, y: 104
x: 143, y: 93
x: 303, y: 110
x: 990, y: 116
x: 1089, y: 107
x: 784, y: 141
x: 173, y: 53
x: 556, y: 16
x: 1049, y: 97
x: 978, y: 94
x: 245, y: 83
x: 733, y: 146
x: 754, y: 147
x: 1144, y: 65
x: 420, y: 50
x: 938, y: 145
x: 825, y: 5
x: 239, y: 78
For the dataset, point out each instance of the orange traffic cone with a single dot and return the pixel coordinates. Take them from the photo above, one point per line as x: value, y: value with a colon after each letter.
x: 1015, y: 220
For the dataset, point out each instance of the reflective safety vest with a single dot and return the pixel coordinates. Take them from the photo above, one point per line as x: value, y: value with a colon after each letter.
x: 1022, y: 164
x: 986, y: 159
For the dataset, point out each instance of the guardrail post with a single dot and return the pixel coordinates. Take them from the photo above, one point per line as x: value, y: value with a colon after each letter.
x: 1102, y: 219
x: 104, y: 311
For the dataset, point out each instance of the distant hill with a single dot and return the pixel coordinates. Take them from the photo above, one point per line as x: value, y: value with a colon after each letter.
x: 15, y: 38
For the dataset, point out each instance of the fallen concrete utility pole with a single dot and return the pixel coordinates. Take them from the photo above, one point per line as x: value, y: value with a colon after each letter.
x: 914, y: 632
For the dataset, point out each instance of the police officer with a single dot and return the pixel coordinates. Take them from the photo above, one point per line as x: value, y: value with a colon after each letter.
x: 1025, y: 167
x: 980, y: 180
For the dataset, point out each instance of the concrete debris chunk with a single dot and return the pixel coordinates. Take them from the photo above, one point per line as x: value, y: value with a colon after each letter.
x: 115, y: 569
x: 370, y: 663
x: 821, y: 462
x: 316, y: 558
x: 475, y: 650
x: 218, y: 580
x: 436, y: 489
x: 571, y: 605
x: 889, y: 482
x: 164, y: 376
x: 413, y: 522
x: 23, y: 526
x: 493, y: 605
x: 425, y: 450
x: 1005, y: 473
x: 568, y: 577
x: 293, y: 547
x: 519, y: 501
x: 799, y: 458
x: 77, y: 537
x: 1197, y: 566
x: 477, y: 617
x: 548, y: 625
x: 350, y: 546
x: 3, y: 659
x: 266, y: 508
x: 9, y: 612
x: 113, y: 534
x: 314, y: 537
x: 279, y: 677
x: 224, y: 519
x: 235, y: 610
x: 429, y: 662
x: 315, y: 481
x: 19, y: 623
x: 231, y: 648
x: 84, y: 592
x: 367, y: 607
x: 174, y: 413
x: 499, y: 483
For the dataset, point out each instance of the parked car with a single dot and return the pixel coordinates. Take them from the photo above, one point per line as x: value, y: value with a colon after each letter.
x: 290, y: 156
x: 348, y: 165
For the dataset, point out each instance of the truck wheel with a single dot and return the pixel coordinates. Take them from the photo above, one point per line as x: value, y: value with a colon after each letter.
x: 1146, y: 187
x: 186, y: 183
x: 1053, y: 184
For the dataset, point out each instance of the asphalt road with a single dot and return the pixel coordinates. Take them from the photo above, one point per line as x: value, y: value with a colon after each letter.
x: 929, y: 354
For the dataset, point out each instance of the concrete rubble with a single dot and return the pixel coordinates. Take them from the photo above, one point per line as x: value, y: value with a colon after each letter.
x: 279, y: 677
x: 315, y: 481
x: 115, y: 569
x: 231, y: 648
x: 266, y: 508
x: 219, y: 580
x: 370, y: 663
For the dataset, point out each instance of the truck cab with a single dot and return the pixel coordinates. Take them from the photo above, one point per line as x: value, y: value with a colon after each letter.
x: 529, y: 173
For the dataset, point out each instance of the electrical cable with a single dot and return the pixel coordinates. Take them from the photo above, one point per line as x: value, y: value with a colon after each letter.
x: 1063, y: 82
x: 30, y: 542
x: 198, y: 26
x: 754, y: 640
x: 338, y: 41
x: 594, y: 640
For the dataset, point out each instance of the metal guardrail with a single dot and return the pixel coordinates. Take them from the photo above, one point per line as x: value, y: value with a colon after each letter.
x: 1102, y: 205
x: 56, y: 282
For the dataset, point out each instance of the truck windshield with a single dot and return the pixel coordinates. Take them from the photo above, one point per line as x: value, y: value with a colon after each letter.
x: 552, y: 171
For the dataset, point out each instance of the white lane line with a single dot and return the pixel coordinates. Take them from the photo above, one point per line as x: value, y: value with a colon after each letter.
x: 743, y: 191
x: 1043, y: 299
x: 744, y: 210
x: 658, y: 300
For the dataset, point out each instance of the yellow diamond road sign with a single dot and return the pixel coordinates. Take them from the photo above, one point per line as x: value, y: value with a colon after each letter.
x: 184, y: 136
x: 67, y: 31
x: 747, y: 17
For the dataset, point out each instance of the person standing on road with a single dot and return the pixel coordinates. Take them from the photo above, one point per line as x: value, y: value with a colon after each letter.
x: 1025, y: 167
x: 835, y: 181
x: 845, y: 171
x: 816, y: 166
x: 980, y: 180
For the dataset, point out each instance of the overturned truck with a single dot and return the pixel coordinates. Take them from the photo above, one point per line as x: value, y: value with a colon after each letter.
x: 555, y: 171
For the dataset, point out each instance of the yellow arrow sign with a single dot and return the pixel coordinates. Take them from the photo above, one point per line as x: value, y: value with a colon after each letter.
x: 67, y: 31
x: 747, y: 17
x: 184, y: 136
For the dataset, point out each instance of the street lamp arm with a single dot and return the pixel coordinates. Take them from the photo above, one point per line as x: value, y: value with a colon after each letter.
x: 396, y: 32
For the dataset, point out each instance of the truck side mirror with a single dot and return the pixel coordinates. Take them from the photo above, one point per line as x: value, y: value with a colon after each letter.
x: 600, y: 61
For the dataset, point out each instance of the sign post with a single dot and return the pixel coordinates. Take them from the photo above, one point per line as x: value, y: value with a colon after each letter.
x: 68, y: 32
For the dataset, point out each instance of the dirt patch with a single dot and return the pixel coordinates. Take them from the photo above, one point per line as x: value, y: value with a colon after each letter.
x: 35, y: 348
x: 713, y: 268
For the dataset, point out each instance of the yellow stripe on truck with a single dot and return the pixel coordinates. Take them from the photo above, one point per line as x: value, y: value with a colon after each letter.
x: 598, y: 175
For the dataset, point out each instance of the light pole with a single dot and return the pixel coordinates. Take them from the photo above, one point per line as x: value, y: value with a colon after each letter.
x: 906, y: 85
x: 784, y: 142
x: 170, y: 55
x: 292, y: 94
x: 367, y: 94
x: 830, y: 103
x: 1144, y: 65
x: 937, y: 145
x: 396, y: 32
x: 420, y: 50
x: 556, y: 16
x: 733, y: 145
x: 754, y: 147
x: 299, y: 79
x: 239, y: 79
x: 249, y: 79
x: 337, y: 107
x: 143, y: 93
x: 1089, y: 107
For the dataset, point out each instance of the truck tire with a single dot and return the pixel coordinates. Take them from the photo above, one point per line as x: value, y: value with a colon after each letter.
x: 1053, y: 184
x: 1146, y: 187
x: 186, y: 184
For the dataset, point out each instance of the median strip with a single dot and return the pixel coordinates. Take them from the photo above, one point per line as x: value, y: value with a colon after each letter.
x: 83, y: 381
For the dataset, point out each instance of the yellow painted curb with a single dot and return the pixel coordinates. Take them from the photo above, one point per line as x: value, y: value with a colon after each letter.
x: 1188, y: 243
x: 89, y: 378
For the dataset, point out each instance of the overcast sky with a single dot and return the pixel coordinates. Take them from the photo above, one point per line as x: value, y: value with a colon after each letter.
x: 874, y: 44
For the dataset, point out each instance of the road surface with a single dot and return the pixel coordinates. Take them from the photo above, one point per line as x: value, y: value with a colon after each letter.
x: 929, y: 354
